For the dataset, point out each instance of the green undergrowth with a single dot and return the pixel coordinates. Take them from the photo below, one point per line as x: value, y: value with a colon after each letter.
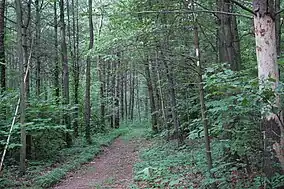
x: 44, y: 174
x: 137, y: 129
x: 166, y: 165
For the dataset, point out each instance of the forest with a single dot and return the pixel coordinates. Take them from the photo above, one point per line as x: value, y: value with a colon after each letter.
x: 141, y: 94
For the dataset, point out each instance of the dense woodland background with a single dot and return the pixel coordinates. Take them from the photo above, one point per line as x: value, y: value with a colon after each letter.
x: 202, y: 73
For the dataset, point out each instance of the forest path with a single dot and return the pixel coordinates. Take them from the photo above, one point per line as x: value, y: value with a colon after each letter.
x: 112, y: 169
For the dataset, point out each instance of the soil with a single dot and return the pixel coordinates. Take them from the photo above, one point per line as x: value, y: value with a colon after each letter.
x: 113, y: 169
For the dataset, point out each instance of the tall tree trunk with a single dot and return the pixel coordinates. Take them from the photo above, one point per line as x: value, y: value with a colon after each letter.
x: 38, y: 74
x: 138, y: 105
x: 56, y: 61
x: 236, y: 45
x: 278, y: 28
x: 26, y: 24
x: 151, y: 97
x: 3, y: 63
x: 102, y: 90
x: 65, y: 73
x: 23, y: 90
x: 130, y: 91
x: 173, y: 102
x: 125, y: 95
x: 121, y: 96
x: 76, y: 70
x: 202, y: 101
x: 266, y: 52
x: 117, y: 94
x: 131, y: 112
x: 226, y: 35
x: 2, y: 47
x: 88, y: 76
x: 27, y: 81
x: 165, y: 124
x: 101, y: 73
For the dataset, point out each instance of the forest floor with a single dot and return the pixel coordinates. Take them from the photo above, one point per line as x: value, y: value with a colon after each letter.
x: 112, y: 169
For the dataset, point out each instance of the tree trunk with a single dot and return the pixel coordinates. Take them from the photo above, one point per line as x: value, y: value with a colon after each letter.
x: 122, y: 96
x: 138, y: 105
x: 23, y: 90
x: 278, y: 28
x: 227, y: 34
x: 165, y: 124
x: 173, y: 102
x: 38, y: 74
x: 151, y: 97
x: 117, y: 93
x: 88, y: 77
x: 132, y: 97
x: 266, y: 52
x: 26, y: 23
x: 3, y: 63
x: 130, y: 92
x: 125, y: 95
x: 202, y: 102
x: 2, y: 47
x: 56, y: 61
x: 76, y: 70
x: 65, y: 73
x: 102, y: 90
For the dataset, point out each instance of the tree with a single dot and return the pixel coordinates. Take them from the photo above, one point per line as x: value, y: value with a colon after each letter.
x: 2, y: 46
x: 266, y: 52
x: 76, y: 70
x: 21, y: 56
x: 151, y: 97
x: 228, y: 40
x: 278, y: 27
x: 88, y: 75
x: 202, y: 98
x: 56, y: 70
x: 38, y: 63
x: 65, y: 71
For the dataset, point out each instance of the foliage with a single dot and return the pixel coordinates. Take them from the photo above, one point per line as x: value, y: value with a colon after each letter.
x: 46, y: 174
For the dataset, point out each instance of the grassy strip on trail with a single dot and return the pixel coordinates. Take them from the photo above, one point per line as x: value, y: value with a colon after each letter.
x: 45, y: 174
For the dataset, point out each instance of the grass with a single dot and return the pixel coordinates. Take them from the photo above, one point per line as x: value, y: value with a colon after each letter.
x: 83, y: 155
x: 45, y: 174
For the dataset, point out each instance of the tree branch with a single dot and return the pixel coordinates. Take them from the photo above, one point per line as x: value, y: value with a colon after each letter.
x: 278, y: 12
x: 243, y: 7
x: 189, y: 12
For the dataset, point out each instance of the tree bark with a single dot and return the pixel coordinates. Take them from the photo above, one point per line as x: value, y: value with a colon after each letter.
x: 264, y: 24
x: 56, y: 61
x: 65, y: 73
x: 38, y: 63
x: 88, y: 76
x: 202, y: 101
x: 2, y: 47
x: 173, y: 102
x: 278, y: 28
x: 21, y: 56
x: 125, y: 95
x: 132, y: 99
x: 76, y: 71
x: 117, y: 93
x: 228, y: 36
x: 151, y: 97
x: 122, y: 96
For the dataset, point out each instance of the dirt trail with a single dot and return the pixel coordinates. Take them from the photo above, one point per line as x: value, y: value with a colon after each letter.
x: 112, y: 169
